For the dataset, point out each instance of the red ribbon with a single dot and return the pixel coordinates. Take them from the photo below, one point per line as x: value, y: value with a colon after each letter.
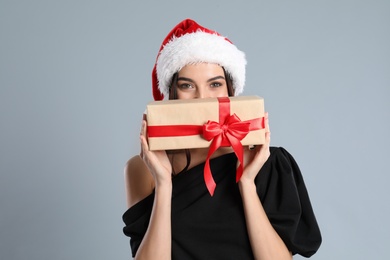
x: 229, y: 131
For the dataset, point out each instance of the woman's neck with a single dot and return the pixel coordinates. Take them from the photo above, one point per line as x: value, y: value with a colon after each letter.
x: 179, y: 160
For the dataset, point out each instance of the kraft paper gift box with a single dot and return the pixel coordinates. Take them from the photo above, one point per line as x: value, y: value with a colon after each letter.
x: 179, y: 124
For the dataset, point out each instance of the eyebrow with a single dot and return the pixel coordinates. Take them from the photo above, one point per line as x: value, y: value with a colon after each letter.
x: 209, y: 80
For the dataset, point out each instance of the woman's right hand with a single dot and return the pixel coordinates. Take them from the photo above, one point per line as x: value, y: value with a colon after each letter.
x: 157, y: 161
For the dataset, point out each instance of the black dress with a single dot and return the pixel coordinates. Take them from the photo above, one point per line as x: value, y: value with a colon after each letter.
x: 205, y: 227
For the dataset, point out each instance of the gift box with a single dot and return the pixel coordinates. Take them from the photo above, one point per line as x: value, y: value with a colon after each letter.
x: 195, y: 123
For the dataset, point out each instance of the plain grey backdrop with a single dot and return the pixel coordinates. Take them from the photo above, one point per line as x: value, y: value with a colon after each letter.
x: 75, y: 79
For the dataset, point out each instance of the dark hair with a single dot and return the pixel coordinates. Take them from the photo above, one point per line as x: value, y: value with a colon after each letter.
x: 173, y: 95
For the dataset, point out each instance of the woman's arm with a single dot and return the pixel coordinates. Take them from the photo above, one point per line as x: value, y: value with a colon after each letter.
x: 265, y: 241
x: 157, y: 239
x: 153, y: 170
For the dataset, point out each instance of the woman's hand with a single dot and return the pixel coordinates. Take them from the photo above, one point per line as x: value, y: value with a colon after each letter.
x: 254, y: 159
x: 157, y: 161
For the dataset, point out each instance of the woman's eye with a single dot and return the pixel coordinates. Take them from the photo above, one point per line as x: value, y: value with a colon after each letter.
x: 216, y: 85
x: 185, y: 86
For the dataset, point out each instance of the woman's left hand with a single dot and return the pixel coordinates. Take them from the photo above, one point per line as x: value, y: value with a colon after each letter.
x: 254, y: 159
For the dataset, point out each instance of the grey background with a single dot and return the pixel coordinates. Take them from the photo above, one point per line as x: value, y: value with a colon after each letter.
x: 75, y: 78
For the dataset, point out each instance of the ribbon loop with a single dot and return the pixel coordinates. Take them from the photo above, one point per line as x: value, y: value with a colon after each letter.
x: 233, y: 126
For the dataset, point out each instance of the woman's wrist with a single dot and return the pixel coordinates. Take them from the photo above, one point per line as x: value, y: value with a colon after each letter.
x: 245, y: 184
x: 163, y: 185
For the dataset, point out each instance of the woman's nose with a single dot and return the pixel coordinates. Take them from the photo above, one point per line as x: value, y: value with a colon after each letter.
x: 203, y: 93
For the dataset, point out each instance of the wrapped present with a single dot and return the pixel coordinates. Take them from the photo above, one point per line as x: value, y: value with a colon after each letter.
x: 209, y: 122
x: 178, y: 124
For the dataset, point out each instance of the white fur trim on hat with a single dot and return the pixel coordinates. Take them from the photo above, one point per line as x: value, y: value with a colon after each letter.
x: 200, y: 47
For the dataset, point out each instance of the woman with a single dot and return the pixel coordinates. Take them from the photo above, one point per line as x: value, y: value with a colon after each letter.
x: 265, y: 215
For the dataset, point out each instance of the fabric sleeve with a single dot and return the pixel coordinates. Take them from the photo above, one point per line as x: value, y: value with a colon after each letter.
x: 285, y: 199
x: 136, y: 220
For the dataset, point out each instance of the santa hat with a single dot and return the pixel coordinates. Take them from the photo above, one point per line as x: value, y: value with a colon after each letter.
x: 190, y: 43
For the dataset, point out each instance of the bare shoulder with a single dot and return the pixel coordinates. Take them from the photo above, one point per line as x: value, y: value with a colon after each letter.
x: 139, y: 182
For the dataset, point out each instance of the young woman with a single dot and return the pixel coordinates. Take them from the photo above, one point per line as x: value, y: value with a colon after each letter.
x: 267, y: 214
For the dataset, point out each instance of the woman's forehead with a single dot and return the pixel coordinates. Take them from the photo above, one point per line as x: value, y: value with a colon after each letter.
x: 200, y: 69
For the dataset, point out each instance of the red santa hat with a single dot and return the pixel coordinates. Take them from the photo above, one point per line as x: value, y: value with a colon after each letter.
x: 190, y: 43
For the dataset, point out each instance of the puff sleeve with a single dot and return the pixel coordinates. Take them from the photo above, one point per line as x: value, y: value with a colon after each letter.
x: 285, y: 199
x: 136, y: 219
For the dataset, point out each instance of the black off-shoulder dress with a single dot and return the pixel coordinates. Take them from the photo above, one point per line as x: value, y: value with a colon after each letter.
x: 205, y: 227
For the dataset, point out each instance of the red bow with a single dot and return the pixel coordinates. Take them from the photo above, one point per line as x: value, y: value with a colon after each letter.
x: 228, y: 132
